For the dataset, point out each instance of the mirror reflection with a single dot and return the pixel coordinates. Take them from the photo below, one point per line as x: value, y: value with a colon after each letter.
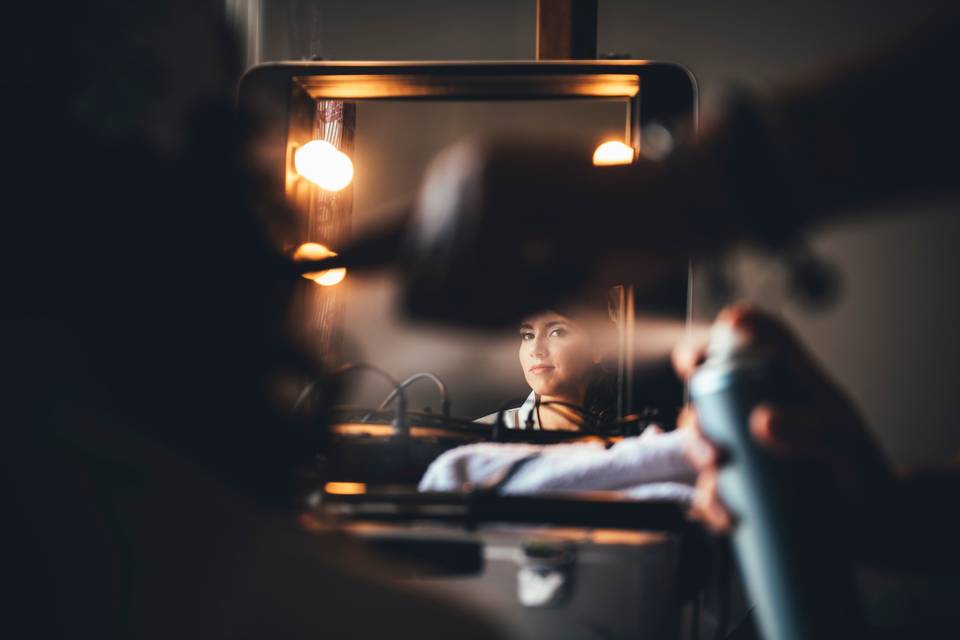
x: 590, y: 368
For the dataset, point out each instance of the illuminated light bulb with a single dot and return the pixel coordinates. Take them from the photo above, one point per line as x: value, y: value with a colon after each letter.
x: 613, y: 152
x: 324, y: 165
x: 317, y: 251
x: 331, y: 277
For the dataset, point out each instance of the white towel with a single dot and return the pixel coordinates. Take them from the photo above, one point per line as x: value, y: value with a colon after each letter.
x: 649, y: 467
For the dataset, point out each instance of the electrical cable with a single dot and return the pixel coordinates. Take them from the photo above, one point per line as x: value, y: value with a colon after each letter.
x: 588, y: 416
x: 401, y: 412
x: 528, y: 423
x: 441, y: 387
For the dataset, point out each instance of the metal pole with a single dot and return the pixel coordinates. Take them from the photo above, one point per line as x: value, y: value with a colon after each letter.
x: 566, y: 29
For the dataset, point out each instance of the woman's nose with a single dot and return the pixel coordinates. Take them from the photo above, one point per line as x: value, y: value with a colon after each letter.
x: 539, y: 349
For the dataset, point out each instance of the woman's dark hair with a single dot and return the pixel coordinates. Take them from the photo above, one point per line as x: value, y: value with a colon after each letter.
x: 601, y: 399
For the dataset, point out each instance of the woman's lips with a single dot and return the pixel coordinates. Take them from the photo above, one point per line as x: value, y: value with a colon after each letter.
x: 540, y: 368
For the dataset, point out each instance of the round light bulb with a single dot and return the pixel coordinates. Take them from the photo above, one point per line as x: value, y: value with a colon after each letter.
x: 317, y: 251
x: 324, y: 165
x: 612, y: 152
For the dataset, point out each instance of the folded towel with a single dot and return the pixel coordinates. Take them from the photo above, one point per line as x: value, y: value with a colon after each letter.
x: 649, y: 467
x: 661, y: 492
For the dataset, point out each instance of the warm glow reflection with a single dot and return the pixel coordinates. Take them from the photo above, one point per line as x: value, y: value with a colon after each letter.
x: 621, y: 537
x: 316, y: 251
x: 345, y: 488
x: 612, y: 152
x: 324, y: 165
x: 330, y: 277
x: 376, y: 85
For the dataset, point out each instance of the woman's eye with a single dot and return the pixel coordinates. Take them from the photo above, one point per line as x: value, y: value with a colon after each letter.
x: 526, y: 337
x: 559, y: 332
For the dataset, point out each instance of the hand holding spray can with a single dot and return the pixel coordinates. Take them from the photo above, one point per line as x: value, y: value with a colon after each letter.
x: 787, y: 537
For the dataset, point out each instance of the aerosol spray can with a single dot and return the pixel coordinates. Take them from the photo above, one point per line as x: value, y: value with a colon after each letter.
x: 789, y: 542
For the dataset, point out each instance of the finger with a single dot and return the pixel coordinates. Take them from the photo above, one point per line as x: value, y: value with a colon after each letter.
x: 757, y: 325
x: 793, y: 431
x: 687, y: 419
x: 720, y: 519
x: 698, y: 449
x: 688, y: 355
x: 707, y: 506
x: 701, y: 453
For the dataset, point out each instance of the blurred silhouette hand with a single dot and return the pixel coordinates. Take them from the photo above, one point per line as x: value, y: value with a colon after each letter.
x: 827, y: 427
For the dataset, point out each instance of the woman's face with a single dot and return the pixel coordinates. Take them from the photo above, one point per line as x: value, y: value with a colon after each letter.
x: 557, y: 356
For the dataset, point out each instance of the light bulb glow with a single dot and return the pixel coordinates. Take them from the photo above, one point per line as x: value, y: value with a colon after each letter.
x: 317, y: 251
x: 612, y: 152
x: 324, y: 165
x: 330, y: 278
x: 345, y: 488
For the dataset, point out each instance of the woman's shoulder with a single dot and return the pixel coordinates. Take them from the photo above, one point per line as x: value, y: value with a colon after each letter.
x: 512, y: 417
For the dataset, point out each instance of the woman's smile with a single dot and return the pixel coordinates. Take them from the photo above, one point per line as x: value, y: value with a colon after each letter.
x: 541, y: 368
